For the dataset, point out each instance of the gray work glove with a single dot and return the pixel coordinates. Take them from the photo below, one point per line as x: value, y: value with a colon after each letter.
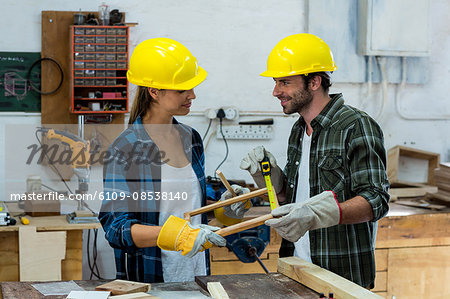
x: 251, y: 162
x: 296, y: 219
x: 205, y: 238
x: 236, y: 210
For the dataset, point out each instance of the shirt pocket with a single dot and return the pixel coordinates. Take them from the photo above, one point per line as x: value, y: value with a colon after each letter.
x: 331, y: 174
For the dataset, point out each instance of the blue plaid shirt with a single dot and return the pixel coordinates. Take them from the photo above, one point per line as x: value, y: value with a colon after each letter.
x: 126, y: 173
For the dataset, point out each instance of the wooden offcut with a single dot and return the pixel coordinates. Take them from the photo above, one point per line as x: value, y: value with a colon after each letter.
x: 322, y: 280
x: 225, y: 182
x: 216, y: 290
x: 121, y: 287
x: 40, y: 254
x: 412, y: 191
x: 140, y: 295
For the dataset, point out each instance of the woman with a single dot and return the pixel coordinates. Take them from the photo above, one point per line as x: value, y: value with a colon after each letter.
x: 156, y: 172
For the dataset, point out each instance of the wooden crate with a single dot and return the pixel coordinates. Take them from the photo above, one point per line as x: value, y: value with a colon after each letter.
x: 393, y: 164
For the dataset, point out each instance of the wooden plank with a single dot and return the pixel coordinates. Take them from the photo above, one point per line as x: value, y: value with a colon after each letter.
x: 50, y: 223
x: 392, y: 163
x: 40, y: 254
x: 321, y: 280
x: 440, y: 197
x: 71, y: 266
x: 236, y: 228
x: 380, y: 282
x: 382, y: 294
x: 414, y: 230
x: 121, y: 287
x: 412, y: 192
x: 225, y: 183
x: 250, y: 286
x: 216, y: 290
x: 228, y: 202
x: 421, y: 272
x: 421, y: 204
x: 381, y: 259
x: 140, y: 295
x: 55, y: 44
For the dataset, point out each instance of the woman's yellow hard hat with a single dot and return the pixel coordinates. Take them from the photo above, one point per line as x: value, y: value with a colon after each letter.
x: 164, y: 63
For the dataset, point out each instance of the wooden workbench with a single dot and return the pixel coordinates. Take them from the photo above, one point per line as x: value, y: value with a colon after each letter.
x: 237, y: 286
x: 412, y: 253
x: 71, y: 265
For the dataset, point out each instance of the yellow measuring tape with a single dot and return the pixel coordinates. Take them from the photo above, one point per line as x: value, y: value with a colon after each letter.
x: 265, y: 168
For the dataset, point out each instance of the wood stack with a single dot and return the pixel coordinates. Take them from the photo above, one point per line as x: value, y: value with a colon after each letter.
x: 414, y: 194
x: 442, y: 179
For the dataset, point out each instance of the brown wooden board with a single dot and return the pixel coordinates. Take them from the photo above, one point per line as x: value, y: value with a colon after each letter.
x: 120, y: 287
x: 272, y: 285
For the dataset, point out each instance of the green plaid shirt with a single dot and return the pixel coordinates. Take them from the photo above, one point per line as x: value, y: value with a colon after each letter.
x: 348, y: 157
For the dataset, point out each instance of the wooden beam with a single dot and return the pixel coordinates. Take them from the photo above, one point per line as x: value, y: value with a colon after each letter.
x: 224, y: 203
x: 412, y: 192
x: 322, y: 280
x: 225, y: 183
x: 216, y: 290
x: 236, y: 228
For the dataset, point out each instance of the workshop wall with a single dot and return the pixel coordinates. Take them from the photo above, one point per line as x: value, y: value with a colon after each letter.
x: 231, y: 40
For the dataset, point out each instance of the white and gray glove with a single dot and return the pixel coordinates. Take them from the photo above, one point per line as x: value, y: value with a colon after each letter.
x: 251, y: 162
x: 236, y: 210
x: 205, y: 238
x: 296, y: 219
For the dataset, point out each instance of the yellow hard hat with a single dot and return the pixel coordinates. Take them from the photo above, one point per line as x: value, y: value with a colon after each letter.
x: 299, y: 54
x: 164, y: 63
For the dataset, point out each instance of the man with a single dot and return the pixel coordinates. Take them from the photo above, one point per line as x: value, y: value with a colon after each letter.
x: 334, y: 187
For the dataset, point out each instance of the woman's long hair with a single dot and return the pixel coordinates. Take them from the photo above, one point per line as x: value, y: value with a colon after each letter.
x: 141, y: 104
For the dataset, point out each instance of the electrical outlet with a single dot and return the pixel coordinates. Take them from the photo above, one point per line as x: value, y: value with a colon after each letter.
x: 231, y: 113
x: 246, y: 132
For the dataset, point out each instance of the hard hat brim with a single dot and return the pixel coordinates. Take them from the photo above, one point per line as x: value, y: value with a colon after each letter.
x: 273, y: 74
x: 187, y: 85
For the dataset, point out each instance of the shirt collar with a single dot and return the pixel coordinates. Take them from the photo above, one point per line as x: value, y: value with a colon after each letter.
x: 328, y: 112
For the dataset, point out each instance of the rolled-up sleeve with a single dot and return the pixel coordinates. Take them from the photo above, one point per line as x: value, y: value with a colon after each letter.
x: 116, y: 216
x: 367, y: 156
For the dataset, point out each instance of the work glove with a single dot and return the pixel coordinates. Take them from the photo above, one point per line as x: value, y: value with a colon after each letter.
x: 178, y: 234
x: 296, y: 219
x: 233, y: 214
x: 251, y: 162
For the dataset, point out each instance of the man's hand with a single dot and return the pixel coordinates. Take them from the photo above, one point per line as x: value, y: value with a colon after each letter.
x: 251, y: 162
x: 296, y: 219
x: 178, y: 234
x: 233, y: 214
x: 236, y: 210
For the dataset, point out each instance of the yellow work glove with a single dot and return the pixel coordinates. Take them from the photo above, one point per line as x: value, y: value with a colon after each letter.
x: 233, y: 214
x: 178, y: 234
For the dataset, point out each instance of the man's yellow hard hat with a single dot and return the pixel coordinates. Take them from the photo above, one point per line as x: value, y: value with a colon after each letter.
x: 299, y: 54
x: 164, y: 63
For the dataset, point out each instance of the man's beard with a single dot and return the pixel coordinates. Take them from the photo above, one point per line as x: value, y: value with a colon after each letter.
x: 299, y: 101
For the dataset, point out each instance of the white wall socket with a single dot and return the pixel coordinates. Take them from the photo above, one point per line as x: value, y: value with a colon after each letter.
x: 246, y: 132
x: 231, y: 113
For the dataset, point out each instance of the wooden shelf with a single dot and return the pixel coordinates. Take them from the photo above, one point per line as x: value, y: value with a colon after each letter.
x: 97, y: 52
